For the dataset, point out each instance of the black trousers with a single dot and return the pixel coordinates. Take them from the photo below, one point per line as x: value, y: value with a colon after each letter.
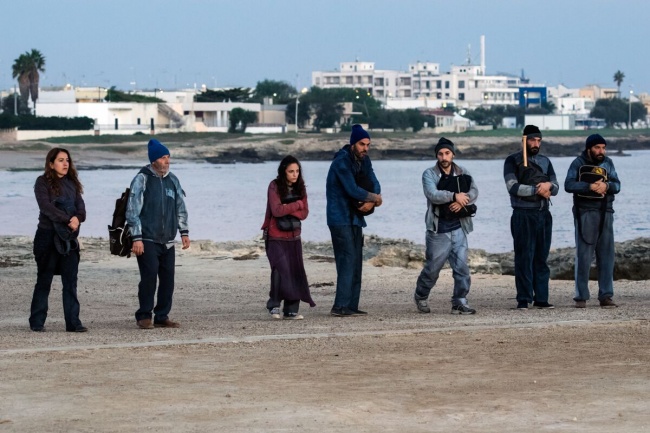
x: 156, y: 265
x: 49, y: 262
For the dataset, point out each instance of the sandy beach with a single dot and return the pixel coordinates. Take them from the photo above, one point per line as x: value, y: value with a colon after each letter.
x: 230, y: 367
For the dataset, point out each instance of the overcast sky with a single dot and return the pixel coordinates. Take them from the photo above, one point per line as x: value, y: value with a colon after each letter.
x: 167, y: 44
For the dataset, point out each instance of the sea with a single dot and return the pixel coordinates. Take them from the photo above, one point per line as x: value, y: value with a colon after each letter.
x: 226, y: 202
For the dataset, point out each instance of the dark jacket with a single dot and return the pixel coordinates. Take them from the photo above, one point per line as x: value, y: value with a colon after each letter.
x: 577, y: 188
x: 524, y: 196
x: 341, y: 188
x: 156, y: 210
x: 49, y: 212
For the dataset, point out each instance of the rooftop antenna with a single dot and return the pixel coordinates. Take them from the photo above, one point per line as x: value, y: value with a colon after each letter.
x: 469, y: 55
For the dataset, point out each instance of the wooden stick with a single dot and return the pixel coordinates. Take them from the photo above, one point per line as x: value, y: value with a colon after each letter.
x: 523, y: 145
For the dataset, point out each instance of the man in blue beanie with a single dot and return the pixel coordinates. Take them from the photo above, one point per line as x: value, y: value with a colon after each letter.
x: 155, y: 213
x: 593, y: 181
x: 350, y: 180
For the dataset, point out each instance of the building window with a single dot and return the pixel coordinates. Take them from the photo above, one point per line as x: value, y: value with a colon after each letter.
x: 461, y: 84
x: 438, y: 84
x: 461, y: 96
x: 446, y: 84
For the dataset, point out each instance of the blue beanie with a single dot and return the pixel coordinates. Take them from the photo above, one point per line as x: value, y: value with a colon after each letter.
x: 156, y: 150
x: 593, y: 140
x: 358, y: 134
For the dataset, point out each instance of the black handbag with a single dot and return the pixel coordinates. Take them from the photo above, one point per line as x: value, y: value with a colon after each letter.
x: 531, y: 175
x: 460, y: 183
x: 289, y: 223
x: 363, y: 182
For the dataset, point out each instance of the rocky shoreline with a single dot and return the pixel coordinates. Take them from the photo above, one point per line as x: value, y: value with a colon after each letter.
x: 307, y: 147
x: 632, y: 257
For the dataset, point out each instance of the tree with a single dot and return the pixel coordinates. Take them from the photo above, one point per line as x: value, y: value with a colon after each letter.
x: 618, y: 79
x: 7, y: 105
x: 113, y: 95
x: 240, y: 118
x: 281, y: 92
x: 612, y: 110
x: 237, y: 94
x: 26, y: 69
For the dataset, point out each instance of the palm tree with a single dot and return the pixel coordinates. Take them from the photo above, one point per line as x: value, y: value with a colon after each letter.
x: 26, y: 69
x: 618, y: 79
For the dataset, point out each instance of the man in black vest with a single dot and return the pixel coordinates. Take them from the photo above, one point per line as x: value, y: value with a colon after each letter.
x: 593, y: 181
x: 530, y: 180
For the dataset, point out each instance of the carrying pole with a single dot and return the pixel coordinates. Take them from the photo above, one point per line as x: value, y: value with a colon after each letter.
x: 523, y: 145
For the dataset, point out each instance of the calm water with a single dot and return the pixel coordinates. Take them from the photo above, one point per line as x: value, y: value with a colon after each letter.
x: 227, y: 202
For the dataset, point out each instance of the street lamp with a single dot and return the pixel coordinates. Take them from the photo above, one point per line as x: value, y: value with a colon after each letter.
x: 629, y: 111
x: 304, y: 90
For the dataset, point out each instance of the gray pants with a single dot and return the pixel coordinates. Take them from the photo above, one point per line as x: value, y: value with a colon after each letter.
x: 442, y: 247
x: 589, y: 242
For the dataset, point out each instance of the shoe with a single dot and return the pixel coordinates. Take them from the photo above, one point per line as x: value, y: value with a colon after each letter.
x: 292, y: 316
x: 462, y: 309
x: 422, y: 304
x: 341, y: 312
x: 359, y: 312
x: 543, y: 305
x: 166, y: 324
x: 581, y: 304
x: 145, y: 324
x: 607, y: 303
x: 522, y: 305
x: 78, y: 328
x: 37, y: 328
x: 275, y: 312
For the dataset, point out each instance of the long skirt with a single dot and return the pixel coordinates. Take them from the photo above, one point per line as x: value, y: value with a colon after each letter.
x: 288, y: 277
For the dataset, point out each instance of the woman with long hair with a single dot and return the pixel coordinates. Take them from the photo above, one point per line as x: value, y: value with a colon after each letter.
x: 56, y: 250
x: 286, y: 206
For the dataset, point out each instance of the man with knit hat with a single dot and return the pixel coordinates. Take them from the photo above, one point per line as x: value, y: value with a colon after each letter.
x: 352, y: 191
x: 593, y: 181
x: 530, y: 180
x: 451, y: 194
x: 155, y: 213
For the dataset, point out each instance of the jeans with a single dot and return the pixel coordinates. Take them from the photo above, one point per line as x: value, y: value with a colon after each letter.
x: 442, y: 247
x: 347, y: 242
x: 531, y: 231
x: 49, y: 262
x: 603, y: 247
x: 156, y: 264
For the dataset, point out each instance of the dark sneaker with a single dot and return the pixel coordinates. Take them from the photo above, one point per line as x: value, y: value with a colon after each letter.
x: 359, y: 312
x: 37, y: 328
x: 543, y: 305
x: 275, y: 313
x: 422, y: 304
x: 607, y: 303
x: 522, y: 305
x: 292, y: 316
x: 341, y: 312
x: 581, y: 304
x: 78, y: 328
x: 462, y: 309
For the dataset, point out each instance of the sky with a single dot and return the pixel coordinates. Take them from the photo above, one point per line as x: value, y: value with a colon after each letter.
x: 147, y: 44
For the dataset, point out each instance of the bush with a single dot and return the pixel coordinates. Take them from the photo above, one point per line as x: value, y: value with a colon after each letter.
x: 31, y: 123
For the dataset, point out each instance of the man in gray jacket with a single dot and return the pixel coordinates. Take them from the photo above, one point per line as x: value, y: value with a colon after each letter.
x: 155, y: 213
x: 451, y: 194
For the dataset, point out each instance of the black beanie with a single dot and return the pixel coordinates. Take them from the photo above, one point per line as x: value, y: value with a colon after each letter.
x: 358, y: 134
x: 443, y: 143
x: 532, y: 131
x: 593, y: 140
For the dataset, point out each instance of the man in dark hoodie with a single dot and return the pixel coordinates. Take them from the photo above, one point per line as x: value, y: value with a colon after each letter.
x: 593, y: 181
x: 347, y: 202
x: 155, y: 213
x: 531, y: 181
